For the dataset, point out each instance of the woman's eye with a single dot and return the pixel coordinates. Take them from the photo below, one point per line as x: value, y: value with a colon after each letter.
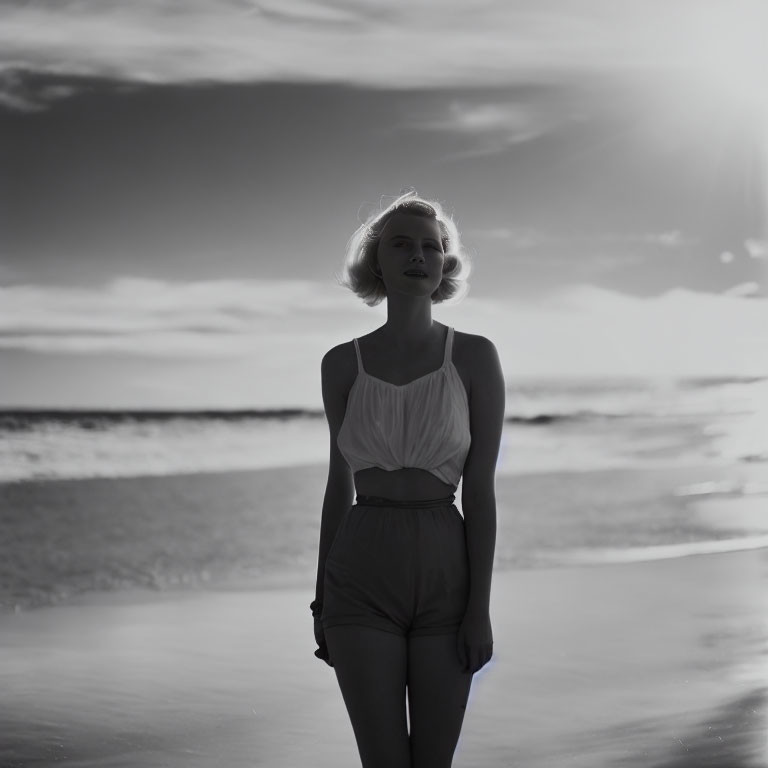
x: 400, y: 243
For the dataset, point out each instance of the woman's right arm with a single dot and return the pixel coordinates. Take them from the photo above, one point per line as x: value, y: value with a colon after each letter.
x: 340, y: 488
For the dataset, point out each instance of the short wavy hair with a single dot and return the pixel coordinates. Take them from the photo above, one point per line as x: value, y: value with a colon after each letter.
x: 357, y: 273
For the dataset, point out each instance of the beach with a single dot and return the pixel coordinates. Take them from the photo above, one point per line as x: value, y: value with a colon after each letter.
x: 63, y: 538
x: 164, y: 621
x: 156, y: 575
x: 645, y: 664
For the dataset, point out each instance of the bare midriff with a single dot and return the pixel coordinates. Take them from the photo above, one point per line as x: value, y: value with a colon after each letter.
x: 408, y: 484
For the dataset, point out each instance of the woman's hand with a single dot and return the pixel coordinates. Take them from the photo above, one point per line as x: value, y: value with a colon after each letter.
x: 475, y: 641
x: 322, y: 651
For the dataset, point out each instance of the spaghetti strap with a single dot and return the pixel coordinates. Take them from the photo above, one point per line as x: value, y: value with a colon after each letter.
x: 360, y: 368
x: 392, y: 426
x: 448, y: 346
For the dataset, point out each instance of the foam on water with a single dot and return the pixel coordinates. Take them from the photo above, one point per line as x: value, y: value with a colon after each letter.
x: 659, y: 551
x: 713, y: 488
x: 185, y: 445
x: 550, y: 426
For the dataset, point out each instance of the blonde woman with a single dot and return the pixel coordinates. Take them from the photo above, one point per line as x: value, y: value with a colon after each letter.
x: 403, y: 580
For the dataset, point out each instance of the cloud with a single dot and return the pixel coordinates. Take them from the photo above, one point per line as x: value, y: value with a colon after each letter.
x: 281, y: 324
x: 141, y: 316
x: 493, y: 127
x: 398, y: 45
x: 515, y: 119
x: 672, y: 239
x: 26, y: 95
x: 519, y: 238
x: 522, y: 238
x: 679, y: 333
x: 757, y: 249
x: 747, y: 290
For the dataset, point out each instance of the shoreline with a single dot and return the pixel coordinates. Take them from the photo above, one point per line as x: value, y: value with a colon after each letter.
x: 61, y: 539
x: 722, y: 468
x: 634, y: 664
x: 293, y: 581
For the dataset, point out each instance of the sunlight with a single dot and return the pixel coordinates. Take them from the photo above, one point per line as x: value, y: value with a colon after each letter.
x: 728, y: 48
x: 730, y: 58
x: 712, y: 100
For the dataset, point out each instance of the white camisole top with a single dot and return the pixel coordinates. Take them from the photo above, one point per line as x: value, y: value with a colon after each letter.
x: 423, y: 424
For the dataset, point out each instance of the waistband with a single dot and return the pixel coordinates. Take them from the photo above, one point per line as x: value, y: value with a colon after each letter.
x: 382, y: 501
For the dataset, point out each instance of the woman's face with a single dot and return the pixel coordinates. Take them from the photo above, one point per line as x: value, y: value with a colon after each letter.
x: 408, y: 243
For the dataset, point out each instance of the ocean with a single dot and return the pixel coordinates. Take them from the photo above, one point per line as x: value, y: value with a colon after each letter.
x: 588, y: 472
x: 549, y: 425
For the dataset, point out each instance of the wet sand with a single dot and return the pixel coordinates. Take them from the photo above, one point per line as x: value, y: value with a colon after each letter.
x: 63, y: 538
x: 658, y: 664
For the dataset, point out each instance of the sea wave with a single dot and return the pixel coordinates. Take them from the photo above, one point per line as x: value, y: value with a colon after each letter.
x: 723, y: 488
x: 549, y: 425
x: 604, y: 556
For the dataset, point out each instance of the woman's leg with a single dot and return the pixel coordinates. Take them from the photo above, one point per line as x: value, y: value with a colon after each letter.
x: 370, y: 665
x: 438, y: 690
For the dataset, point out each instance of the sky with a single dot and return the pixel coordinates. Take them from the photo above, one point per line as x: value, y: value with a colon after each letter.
x: 178, y: 181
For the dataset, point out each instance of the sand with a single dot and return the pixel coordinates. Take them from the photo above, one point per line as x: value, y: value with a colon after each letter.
x: 260, y: 529
x: 648, y: 664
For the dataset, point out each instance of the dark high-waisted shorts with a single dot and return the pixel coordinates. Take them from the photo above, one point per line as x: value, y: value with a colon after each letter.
x: 400, y: 566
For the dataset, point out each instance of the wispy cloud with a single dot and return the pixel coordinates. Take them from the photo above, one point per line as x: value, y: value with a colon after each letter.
x: 522, y: 238
x: 757, y: 249
x: 23, y: 95
x: 493, y: 127
x: 519, y: 238
x: 400, y: 44
x: 142, y: 316
x: 747, y: 290
x: 673, y: 239
x: 576, y: 330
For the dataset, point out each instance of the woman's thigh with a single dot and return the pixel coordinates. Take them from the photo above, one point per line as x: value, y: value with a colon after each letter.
x: 370, y: 666
x: 438, y: 691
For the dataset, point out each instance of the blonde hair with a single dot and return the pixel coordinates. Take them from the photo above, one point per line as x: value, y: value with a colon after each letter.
x: 357, y: 273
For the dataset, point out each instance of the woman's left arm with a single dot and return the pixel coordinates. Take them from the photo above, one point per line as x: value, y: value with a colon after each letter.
x: 478, y: 497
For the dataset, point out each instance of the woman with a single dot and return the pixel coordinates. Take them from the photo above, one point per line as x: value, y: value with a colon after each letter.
x: 403, y: 581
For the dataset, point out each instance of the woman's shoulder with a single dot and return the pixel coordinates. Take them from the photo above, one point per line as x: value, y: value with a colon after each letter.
x: 339, y: 365
x: 473, y: 345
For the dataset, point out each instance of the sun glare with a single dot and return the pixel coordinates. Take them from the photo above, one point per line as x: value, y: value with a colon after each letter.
x: 730, y: 58
x: 706, y: 99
